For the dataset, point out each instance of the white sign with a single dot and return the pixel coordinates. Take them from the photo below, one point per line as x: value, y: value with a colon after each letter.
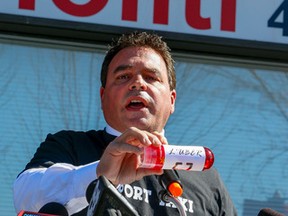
x: 257, y: 20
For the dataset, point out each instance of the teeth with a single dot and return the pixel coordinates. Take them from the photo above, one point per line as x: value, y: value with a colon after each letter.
x: 135, y: 101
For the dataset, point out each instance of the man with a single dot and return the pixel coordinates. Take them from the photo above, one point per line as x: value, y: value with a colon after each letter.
x: 138, y: 96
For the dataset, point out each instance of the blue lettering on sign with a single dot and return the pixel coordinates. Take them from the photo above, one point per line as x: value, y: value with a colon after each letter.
x: 273, y: 23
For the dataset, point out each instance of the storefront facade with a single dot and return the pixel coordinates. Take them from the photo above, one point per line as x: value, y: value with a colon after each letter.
x: 232, y: 82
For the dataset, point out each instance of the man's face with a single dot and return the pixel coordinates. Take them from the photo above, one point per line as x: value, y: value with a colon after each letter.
x: 137, y: 91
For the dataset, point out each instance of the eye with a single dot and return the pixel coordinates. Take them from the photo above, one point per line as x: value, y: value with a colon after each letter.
x: 152, y: 78
x: 123, y: 77
x: 152, y: 75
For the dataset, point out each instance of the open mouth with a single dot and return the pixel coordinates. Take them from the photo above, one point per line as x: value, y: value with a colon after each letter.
x: 135, y: 104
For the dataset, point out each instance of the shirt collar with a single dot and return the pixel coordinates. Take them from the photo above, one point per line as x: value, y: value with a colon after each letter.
x: 112, y: 131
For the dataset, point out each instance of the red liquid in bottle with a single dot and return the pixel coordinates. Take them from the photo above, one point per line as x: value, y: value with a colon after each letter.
x: 190, y: 158
x: 153, y: 157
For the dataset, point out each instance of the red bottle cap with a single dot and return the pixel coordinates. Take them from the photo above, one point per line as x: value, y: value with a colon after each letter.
x: 209, y: 158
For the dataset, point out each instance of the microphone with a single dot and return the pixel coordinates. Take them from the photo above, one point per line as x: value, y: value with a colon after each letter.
x: 29, y: 213
x: 90, y: 190
x: 170, y: 181
x: 269, y: 212
x: 173, y: 188
x: 104, y: 199
x: 54, y: 208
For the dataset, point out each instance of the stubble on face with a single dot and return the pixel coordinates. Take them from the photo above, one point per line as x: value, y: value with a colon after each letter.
x: 146, y: 108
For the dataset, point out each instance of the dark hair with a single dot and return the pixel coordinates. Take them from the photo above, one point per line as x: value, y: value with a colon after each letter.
x: 140, y: 39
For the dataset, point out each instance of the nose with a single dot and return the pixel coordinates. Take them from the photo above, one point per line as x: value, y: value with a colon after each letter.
x: 138, y: 83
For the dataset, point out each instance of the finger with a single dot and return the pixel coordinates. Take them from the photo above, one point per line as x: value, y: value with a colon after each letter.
x: 135, y: 136
x: 117, y: 148
x: 149, y: 138
x: 161, y: 137
x: 141, y: 172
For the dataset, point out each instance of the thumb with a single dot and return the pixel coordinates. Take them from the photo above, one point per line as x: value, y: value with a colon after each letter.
x: 141, y: 172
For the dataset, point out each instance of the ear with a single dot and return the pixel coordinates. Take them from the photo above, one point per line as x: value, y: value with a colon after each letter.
x: 173, y: 100
x: 102, y: 91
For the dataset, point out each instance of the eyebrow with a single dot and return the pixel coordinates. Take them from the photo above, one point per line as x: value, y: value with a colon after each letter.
x: 122, y: 68
x: 128, y: 66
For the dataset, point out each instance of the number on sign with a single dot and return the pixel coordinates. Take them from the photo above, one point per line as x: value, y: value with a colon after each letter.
x: 272, y: 22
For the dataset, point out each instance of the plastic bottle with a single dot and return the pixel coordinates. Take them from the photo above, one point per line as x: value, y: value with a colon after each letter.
x: 190, y: 158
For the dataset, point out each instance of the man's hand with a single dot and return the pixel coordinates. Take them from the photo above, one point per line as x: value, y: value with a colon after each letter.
x: 119, y: 162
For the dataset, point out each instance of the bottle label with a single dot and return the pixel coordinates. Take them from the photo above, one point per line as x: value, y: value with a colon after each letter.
x: 184, y: 157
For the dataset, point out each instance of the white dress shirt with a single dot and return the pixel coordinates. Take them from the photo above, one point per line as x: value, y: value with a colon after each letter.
x: 61, y: 182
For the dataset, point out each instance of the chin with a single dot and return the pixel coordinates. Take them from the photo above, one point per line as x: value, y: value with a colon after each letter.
x: 142, y: 125
x: 145, y: 127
